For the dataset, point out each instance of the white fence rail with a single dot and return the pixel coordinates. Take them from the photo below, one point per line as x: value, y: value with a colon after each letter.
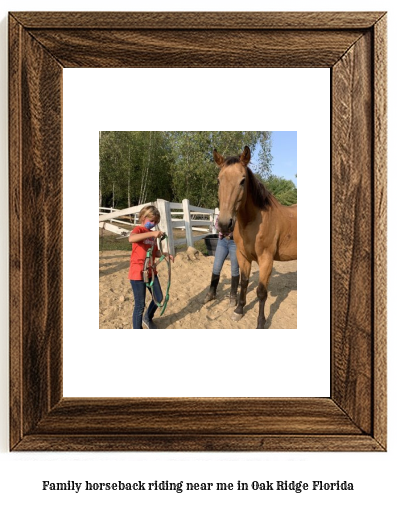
x: 173, y: 216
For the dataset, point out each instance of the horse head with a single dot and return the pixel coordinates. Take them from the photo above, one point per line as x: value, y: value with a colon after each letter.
x: 232, y: 186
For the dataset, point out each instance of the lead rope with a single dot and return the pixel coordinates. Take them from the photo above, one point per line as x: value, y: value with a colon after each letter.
x: 149, y: 280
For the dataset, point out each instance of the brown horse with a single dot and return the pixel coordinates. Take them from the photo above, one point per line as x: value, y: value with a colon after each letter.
x: 263, y: 229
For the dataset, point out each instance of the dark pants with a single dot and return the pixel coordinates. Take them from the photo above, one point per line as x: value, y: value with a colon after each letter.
x: 139, y: 290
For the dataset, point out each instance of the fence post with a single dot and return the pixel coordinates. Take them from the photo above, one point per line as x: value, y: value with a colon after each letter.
x: 188, y: 225
x: 166, y: 223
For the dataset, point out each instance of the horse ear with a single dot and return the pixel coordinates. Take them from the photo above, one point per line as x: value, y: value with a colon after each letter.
x: 219, y: 160
x: 245, y: 157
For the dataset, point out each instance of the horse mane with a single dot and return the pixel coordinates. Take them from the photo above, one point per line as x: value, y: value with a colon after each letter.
x: 261, y: 197
x: 231, y: 161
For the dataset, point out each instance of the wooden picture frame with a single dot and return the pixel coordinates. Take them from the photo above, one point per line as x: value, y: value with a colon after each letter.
x: 353, y: 46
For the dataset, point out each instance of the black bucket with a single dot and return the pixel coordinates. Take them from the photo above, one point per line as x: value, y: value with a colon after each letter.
x: 210, y: 242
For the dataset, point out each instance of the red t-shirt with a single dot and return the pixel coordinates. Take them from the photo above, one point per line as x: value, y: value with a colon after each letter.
x: 138, y: 254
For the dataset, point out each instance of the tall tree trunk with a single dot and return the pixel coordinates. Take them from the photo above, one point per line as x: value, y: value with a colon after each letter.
x: 142, y: 197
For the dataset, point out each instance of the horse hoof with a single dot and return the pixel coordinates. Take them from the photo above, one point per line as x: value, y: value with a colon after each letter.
x: 237, y: 316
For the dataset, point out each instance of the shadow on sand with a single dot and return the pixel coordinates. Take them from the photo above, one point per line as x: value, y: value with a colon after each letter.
x: 114, y: 265
x: 280, y: 285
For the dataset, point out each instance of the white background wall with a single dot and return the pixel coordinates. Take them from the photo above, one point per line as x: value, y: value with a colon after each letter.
x: 21, y: 475
x: 276, y: 106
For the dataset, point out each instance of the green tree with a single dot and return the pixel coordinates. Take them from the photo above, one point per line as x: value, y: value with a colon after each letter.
x: 133, y: 167
x: 193, y: 168
x: 284, y: 190
x: 141, y: 166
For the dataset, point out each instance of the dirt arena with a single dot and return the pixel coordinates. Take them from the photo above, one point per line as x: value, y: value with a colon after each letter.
x: 189, y: 284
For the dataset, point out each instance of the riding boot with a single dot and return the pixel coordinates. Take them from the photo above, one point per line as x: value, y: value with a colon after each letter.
x: 212, y: 292
x: 233, y: 290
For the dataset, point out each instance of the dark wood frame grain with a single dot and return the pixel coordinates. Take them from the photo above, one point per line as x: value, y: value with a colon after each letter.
x: 353, y: 46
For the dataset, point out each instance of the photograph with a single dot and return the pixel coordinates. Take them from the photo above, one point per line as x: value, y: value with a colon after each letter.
x: 219, y: 208
x: 242, y: 396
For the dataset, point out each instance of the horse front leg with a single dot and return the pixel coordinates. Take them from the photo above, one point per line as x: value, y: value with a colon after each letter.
x: 245, y: 270
x: 265, y: 270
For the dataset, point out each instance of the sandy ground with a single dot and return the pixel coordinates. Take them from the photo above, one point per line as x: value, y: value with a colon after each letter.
x: 189, y: 285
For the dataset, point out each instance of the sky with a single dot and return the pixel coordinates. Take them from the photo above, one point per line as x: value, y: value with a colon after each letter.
x: 284, y: 151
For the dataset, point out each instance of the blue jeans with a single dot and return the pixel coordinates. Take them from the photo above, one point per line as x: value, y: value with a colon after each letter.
x: 139, y: 290
x: 223, y: 248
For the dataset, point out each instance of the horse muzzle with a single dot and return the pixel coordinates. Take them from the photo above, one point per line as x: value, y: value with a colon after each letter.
x: 226, y: 225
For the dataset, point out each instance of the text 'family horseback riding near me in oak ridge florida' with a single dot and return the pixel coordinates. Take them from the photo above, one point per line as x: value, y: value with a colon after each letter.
x: 181, y: 486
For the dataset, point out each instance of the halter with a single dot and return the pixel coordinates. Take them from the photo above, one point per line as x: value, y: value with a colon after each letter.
x: 150, y: 280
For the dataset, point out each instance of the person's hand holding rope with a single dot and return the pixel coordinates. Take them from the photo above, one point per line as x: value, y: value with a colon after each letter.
x: 166, y: 255
x: 157, y: 234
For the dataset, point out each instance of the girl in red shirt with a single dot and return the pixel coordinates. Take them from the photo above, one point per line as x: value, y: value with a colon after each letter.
x: 142, y: 238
